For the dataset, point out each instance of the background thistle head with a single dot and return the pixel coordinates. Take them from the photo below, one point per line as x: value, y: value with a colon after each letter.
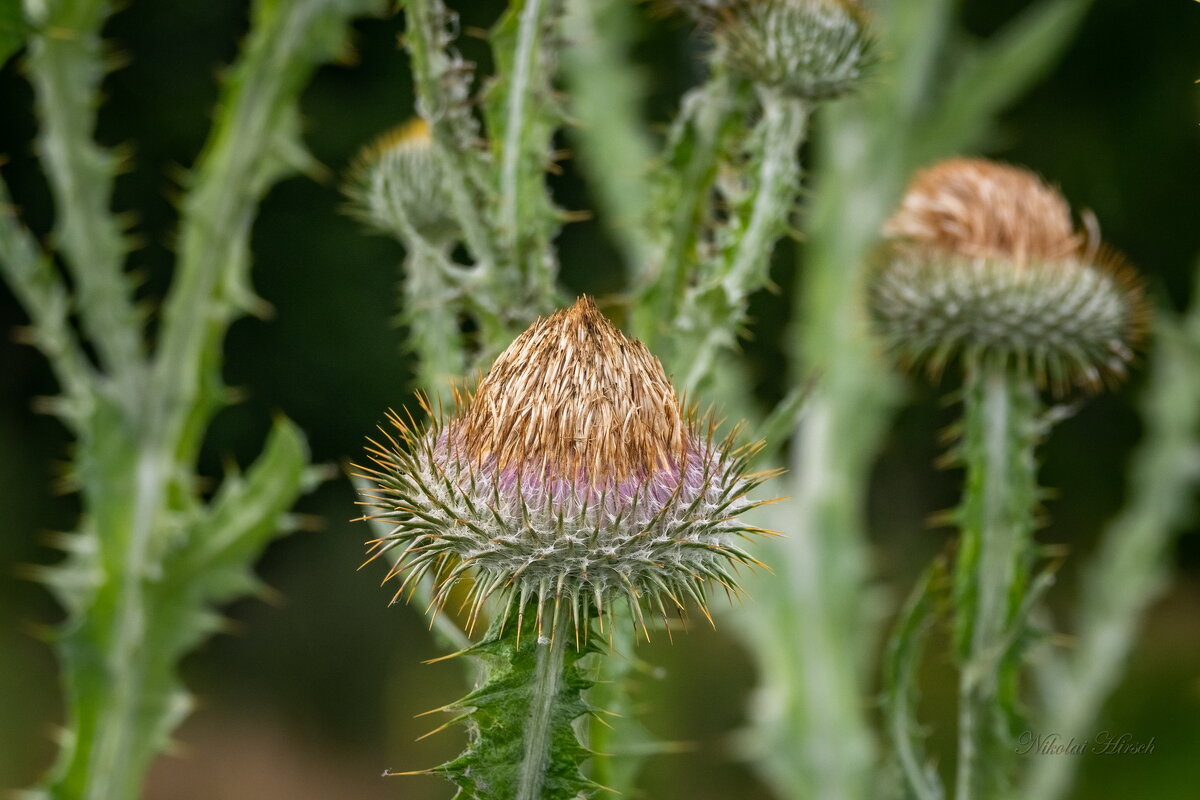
x: 571, y: 479
x: 812, y: 49
x: 396, y: 185
x: 982, y: 260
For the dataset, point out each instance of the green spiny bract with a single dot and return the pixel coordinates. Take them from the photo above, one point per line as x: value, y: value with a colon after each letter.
x: 983, y: 261
x: 571, y: 479
x: 396, y: 185
x: 1068, y: 321
x: 813, y: 49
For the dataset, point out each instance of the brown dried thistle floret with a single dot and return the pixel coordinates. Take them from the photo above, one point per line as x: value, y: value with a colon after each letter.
x: 983, y: 260
x: 574, y: 394
x: 977, y: 208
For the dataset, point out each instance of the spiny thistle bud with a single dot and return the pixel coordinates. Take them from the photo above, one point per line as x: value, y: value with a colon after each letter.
x: 396, y: 184
x: 571, y: 478
x: 983, y: 259
x: 813, y: 49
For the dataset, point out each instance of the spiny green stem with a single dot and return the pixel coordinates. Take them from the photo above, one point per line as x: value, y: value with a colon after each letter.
x: 431, y: 313
x: 520, y: 88
x: 714, y: 314
x: 693, y: 154
x: 117, y: 732
x: 992, y: 574
x: 819, y: 659
x: 132, y: 616
x: 444, y: 89
x: 783, y: 126
x: 615, y: 148
x: 901, y: 665
x: 539, y: 733
x: 522, y: 743
x: 43, y: 294
x: 66, y: 69
x: 522, y: 116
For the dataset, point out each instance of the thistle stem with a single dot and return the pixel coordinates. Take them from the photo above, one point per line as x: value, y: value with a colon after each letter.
x: 544, y: 696
x: 695, y: 142
x: 523, y: 744
x: 140, y: 574
x: 431, y: 313
x: 532, y: 19
x: 443, y: 89
x: 783, y: 127
x: 902, y: 660
x: 44, y: 295
x: 821, y: 652
x: 715, y: 313
x: 66, y: 68
x: 1132, y: 554
x: 615, y: 147
x: 997, y: 518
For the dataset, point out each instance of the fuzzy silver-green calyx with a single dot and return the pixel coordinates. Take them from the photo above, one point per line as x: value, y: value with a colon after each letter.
x: 572, y: 479
x: 983, y: 261
x: 813, y: 49
x: 397, y: 185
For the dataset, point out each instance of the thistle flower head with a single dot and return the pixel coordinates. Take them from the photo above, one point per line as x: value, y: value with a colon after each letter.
x: 982, y: 259
x: 396, y: 184
x: 813, y: 49
x: 572, y: 477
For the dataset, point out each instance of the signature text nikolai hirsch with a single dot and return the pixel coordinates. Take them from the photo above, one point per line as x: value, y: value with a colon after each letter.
x: 1105, y: 743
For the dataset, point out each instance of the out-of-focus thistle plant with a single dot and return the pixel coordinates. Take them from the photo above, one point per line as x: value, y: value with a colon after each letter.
x: 571, y: 499
x: 397, y: 187
x: 570, y: 482
x: 983, y: 266
x: 1134, y: 552
x: 814, y: 631
x: 730, y: 177
x: 152, y: 554
x: 813, y: 49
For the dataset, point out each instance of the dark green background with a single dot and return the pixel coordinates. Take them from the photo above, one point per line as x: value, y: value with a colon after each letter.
x: 312, y: 694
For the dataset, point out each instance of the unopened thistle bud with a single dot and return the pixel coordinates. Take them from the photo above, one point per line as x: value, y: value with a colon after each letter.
x: 813, y: 49
x: 983, y: 260
x: 396, y: 185
x: 570, y: 480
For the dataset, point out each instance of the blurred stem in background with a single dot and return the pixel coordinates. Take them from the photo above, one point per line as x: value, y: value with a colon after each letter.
x: 816, y: 625
x: 992, y: 568
x: 1130, y: 569
x: 606, y: 97
x: 152, y: 555
x: 996, y: 598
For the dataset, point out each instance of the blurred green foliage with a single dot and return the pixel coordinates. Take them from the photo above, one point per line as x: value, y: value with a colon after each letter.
x: 309, y: 697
